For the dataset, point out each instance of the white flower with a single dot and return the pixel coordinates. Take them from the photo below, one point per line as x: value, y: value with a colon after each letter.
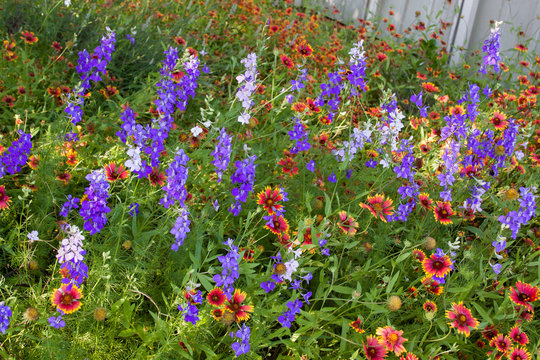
x: 244, y: 118
x: 196, y: 130
x: 32, y: 236
x: 67, y: 2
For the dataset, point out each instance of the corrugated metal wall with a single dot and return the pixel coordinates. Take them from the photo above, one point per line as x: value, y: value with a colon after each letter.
x: 470, y: 26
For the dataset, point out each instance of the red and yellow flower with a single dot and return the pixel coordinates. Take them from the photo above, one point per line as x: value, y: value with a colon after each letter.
x: 425, y: 201
x: 66, y: 298
x: 357, y: 326
x: 374, y: 350
x: 461, y: 318
x: 216, y: 297
x: 518, y: 336
x: 4, y: 199
x: 379, y: 206
x: 241, y: 312
x: 430, y: 306
x: 29, y: 37
x: 346, y: 223
x: 524, y: 294
x: 519, y: 353
x: 115, y: 172
x: 391, y: 339
x: 269, y: 199
x: 438, y: 266
x: 442, y: 212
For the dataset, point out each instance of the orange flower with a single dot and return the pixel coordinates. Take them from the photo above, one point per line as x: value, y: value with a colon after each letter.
x: 66, y: 298
x: 29, y: 37
x: 430, y: 87
x: 461, y: 318
x: 442, y: 212
x: 378, y: 206
x: 356, y: 326
x: 391, y: 339
x: 269, y: 199
x: 286, y: 61
x: 241, y: 312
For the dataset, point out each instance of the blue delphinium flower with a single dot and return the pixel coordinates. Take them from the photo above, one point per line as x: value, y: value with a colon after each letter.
x: 16, y: 155
x: 180, y: 229
x: 229, y: 264
x: 301, y: 136
x: 190, y: 312
x: 287, y: 318
x: 491, y: 50
x: 515, y: 219
x: 5, y: 315
x: 94, y: 208
x: 248, y: 85
x: 244, y: 176
x: 71, y: 203
x: 133, y: 209
x: 71, y: 255
x: 57, y: 322
x: 242, y: 346
x: 222, y: 153
x: 177, y: 174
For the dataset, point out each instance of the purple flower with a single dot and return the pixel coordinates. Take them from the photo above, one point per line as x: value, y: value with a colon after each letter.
x: 5, y: 315
x: 71, y: 203
x: 180, y: 229
x: 133, y: 209
x: 94, y: 208
x: 131, y: 38
x: 311, y: 165
x: 332, y: 178
x: 57, y: 322
x: 288, y: 316
x: 190, y: 312
x: 491, y: 50
x: 244, y: 176
x: 177, y: 174
x: 229, y: 264
x: 16, y: 155
x: 515, y: 219
x: 222, y: 153
x: 242, y: 346
x: 268, y: 286
x: 301, y: 135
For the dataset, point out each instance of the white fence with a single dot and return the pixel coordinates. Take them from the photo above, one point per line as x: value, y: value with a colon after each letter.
x: 470, y: 19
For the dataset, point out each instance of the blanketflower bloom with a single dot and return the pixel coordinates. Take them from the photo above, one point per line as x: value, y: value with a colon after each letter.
x: 418, y: 255
x: 241, y: 312
x: 461, y: 318
x: 438, y: 266
x: 269, y: 199
x: 356, y: 325
x: 4, y: 199
x: 519, y: 353
x: 66, y: 298
x: 524, y: 294
x: 502, y: 343
x: 442, y: 212
x: 346, y: 223
x: 216, y: 297
x: 115, y: 172
x: 391, y: 339
x: 518, y: 336
x: 409, y: 356
x: 379, y: 206
x: 374, y: 350
x: 430, y: 306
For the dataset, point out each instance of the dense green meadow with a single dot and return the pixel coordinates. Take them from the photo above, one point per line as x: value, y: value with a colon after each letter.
x: 219, y: 179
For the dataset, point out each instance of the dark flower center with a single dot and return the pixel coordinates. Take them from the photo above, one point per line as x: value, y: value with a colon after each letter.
x: 461, y: 319
x: 437, y: 265
x: 67, y: 299
x: 523, y: 297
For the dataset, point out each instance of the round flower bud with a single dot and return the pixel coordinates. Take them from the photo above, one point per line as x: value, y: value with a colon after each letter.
x: 127, y: 244
x: 227, y: 318
x: 33, y: 265
x: 394, y: 303
x: 100, y: 314
x: 31, y: 314
x: 430, y: 243
x: 511, y: 194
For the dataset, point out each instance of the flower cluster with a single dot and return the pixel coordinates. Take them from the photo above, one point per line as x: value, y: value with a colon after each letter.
x: 356, y: 142
x: 245, y: 177
x: 247, y: 85
x: 90, y: 67
x: 357, y: 65
x: 299, y: 134
x: 71, y: 256
x: 229, y: 263
x: 180, y: 229
x: 190, y: 312
x: 222, y: 153
x: 177, y: 174
x: 287, y: 318
x: 491, y: 50
x: 405, y: 170
x: 94, y: 205
x: 5, y: 315
x: 515, y: 219
x: 70, y: 204
x: 242, y: 346
x: 16, y: 155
